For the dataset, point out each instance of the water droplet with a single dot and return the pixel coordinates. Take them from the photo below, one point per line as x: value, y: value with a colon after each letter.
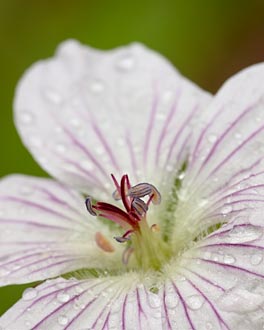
x: 212, y: 138
x: 35, y: 141
x: 26, y: 117
x: 244, y: 233
x: 238, y: 136
x: 154, y: 301
x: 53, y: 96
x: 27, y: 323
x: 256, y: 259
x: 195, y: 302
x: 226, y: 209
x: 126, y: 63
x: 229, y: 259
x: 86, y: 164
x: 26, y: 190
x: 4, y: 272
x: 61, y: 148
x: 63, y: 320
x: 171, y: 300
x: 63, y: 297
x: 97, y: 86
x: 29, y: 294
x: 209, y: 326
x: 75, y: 122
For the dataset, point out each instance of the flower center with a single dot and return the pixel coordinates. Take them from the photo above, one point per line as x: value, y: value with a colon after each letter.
x: 143, y: 242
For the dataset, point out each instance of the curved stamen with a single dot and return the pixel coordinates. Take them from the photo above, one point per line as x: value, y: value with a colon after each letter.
x: 139, y: 206
x: 126, y: 237
x: 89, y: 206
x: 143, y: 189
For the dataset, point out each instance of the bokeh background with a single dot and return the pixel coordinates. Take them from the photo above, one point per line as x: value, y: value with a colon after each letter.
x: 207, y: 40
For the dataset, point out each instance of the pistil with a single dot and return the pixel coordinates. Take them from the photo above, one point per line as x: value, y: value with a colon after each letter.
x: 144, y: 242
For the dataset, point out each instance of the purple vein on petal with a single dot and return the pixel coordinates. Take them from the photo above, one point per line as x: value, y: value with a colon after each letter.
x: 79, y: 145
x: 206, y: 280
x: 184, y: 306
x: 234, y: 151
x: 201, y: 137
x: 223, y: 265
x: 132, y: 156
x: 85, y: 309
x: 220, y: 320
x: 168, y: 120
x: 150, y: 125
x: 105, y: 145
x: 33, y: 224
x: 166, y: 310
x: 224, y: 134
x: 37, y: 206
x: 124, y: 313
x: 179, y: 133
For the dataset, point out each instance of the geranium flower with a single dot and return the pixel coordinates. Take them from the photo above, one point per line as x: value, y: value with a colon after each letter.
x: 156, y: 220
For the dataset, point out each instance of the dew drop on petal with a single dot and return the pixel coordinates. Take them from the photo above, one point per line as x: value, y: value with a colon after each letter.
x: 195, y: 302
x: 212, y: 138
x: 29, y: 294
x: 154, y: 301
x: 226, y: 210
x: 63, y: 297
x: 229, y: 259
x: 208, y: 326
x: 244, y: 234
x: 61, y: 148
x: 97, y: 86
x: 26, y: 117
x: 63, y: 320
x: 35, y: 141
x: 126, y: 63
x: 171, y: 300
x: 256, y: 259
x: 52, y: 96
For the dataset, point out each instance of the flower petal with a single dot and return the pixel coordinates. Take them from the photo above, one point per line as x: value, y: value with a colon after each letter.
x: 85, y: 114
x: 219, y: 284
x: 105, y: 303
x: 45, y: 231
x: 225, y: 171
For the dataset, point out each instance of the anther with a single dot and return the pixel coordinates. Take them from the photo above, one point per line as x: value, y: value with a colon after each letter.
x: 89, y: 206
x: 103, y: 242
x: 143, y: 189
x: 139, y: 206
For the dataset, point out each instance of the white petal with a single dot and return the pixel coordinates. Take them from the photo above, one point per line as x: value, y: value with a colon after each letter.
x: 85, y: 114
x: 45, y: 231
x: 106, y: 303
x: 219, y: 284
x: 225, y: 172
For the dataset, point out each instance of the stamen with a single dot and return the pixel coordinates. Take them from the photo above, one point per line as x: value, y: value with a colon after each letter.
x: 103, y: 242
x: 89, y: 206
x: 155, y: 228
x: 139, y: 206
x: 125, y: 237
x: 126, y: 255
x: 143, y: 189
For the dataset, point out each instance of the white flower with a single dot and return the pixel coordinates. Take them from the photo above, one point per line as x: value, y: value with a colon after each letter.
x: 192, y: 261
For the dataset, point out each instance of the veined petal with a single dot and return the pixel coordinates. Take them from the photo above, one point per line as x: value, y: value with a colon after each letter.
x: 85, y: 114
x: 219, y: 284
x: 45, y: 231
x: 225, y: 170
x: 105, y: 303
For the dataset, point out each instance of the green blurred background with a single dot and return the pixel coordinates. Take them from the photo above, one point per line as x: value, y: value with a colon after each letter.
x: 207, y: 40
